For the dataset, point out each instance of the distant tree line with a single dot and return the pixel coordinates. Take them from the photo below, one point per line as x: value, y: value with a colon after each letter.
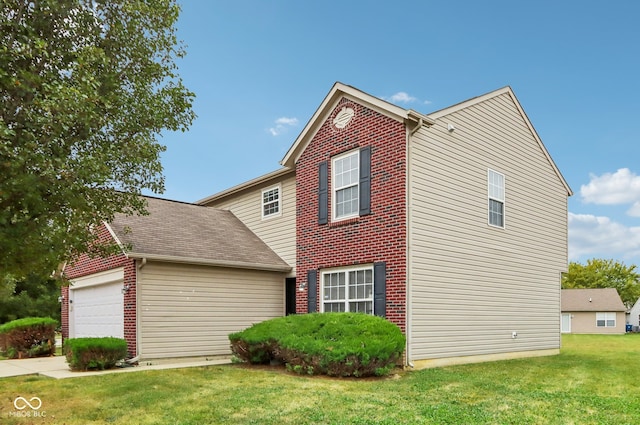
x: 599, y: 273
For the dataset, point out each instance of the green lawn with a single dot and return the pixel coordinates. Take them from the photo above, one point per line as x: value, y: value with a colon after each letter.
x: 593, y: 381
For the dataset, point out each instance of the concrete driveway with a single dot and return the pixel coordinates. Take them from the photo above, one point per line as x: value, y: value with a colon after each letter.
x: 57, y: 367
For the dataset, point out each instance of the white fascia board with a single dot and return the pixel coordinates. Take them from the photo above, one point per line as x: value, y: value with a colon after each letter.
x: 210, y: 262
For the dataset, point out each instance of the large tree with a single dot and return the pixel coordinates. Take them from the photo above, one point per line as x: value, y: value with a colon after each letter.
x: 87, y: 87
x: 599, y: 273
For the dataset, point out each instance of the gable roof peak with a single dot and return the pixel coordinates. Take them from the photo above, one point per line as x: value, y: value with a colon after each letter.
x: 337, y: 92
x: 472, y: 101
x: 499, y: 92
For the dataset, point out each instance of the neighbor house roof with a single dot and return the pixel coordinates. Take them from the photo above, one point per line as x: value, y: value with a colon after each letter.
x: 599, y: 299
x: 188, y: 233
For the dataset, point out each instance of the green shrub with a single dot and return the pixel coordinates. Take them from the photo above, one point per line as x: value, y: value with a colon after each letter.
x: 335, y: 344
x: 94, y: 353
x: 28, y: 337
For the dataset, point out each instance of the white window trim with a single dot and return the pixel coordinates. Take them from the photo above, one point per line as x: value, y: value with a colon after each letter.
x: 334, y: 209
x: 346, y: 300
x: 262, y: 203
x: 503, y: 200
x: 606, y: 316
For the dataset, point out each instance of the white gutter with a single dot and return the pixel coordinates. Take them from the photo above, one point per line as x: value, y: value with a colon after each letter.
x: 421, y: 120
x: 211, y: 262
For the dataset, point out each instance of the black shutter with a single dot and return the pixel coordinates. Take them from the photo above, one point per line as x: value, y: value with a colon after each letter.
x: 312, y: 291
x: 323, y: 193
x: 380, y: 289
x: 365, y: 180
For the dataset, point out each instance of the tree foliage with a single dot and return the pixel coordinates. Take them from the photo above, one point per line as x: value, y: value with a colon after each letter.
x: 32, y: 297
x: 599, y: 273
x: 86, y: 88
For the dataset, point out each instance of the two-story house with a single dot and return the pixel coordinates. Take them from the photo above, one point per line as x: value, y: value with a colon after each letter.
x: 453, y: 225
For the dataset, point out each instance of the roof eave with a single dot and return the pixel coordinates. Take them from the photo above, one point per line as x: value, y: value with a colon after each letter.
x: 246, y: 185
x: 211, y: 262
x: 115, y: 237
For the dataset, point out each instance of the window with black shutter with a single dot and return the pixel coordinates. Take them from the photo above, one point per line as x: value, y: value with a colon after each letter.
x: 350, y: 187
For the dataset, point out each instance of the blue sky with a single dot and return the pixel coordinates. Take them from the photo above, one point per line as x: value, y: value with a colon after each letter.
x: 260, y: 69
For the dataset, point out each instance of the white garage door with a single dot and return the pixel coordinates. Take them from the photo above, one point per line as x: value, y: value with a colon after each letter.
x: 97, y: 310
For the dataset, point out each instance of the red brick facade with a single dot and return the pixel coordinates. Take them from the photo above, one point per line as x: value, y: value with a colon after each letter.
x: 86, y: 265
x: 378, y: 237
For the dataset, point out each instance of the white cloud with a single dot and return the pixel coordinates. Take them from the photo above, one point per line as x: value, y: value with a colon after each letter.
x: 282, y: 124
x: 621, y: 187
x: 402, y: 97
x: 287, y: 121
x: 634, y: 211
x: 595, y: 236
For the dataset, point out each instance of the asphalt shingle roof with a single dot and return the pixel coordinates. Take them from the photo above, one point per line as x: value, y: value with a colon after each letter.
x: 194, y: 233
x: 598, y: 299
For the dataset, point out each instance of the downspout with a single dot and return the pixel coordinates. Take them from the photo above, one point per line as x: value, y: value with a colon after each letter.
x: 416, y: 128
x: 408, y: 312
x: 139, y: 267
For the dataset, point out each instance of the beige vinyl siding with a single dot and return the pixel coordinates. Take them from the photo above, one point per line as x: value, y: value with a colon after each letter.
x: 279, y: 232
x: 584, y: 322
x: 472, y: 285
x: 187, y: 310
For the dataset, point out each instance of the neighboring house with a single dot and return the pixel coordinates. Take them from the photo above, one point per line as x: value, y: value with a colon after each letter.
x: 190, y: 276
x: 633, y: 316
x: 591, y: 311
x: 418, y: 217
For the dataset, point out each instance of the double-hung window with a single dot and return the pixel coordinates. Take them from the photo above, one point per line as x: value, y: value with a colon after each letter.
x: 271, y: 202
x: 350, y: 188
x: 348, y: 290
x: 345, y: 191
x: 495, y: 182
x: 606, y: 320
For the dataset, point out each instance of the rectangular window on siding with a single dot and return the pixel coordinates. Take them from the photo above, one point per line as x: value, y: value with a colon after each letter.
x: 495, y: 183
x: 345, y: 178
x: 271, y: 202
x: 348, y: 290
x: 606, y: 320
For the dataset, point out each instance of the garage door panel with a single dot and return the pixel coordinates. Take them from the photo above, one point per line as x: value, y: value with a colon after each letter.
x: 98, y: 311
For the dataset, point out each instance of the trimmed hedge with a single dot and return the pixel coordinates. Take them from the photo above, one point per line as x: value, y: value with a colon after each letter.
x: 94, y: 353
x: 28, y: 337
x: 335, y: 344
